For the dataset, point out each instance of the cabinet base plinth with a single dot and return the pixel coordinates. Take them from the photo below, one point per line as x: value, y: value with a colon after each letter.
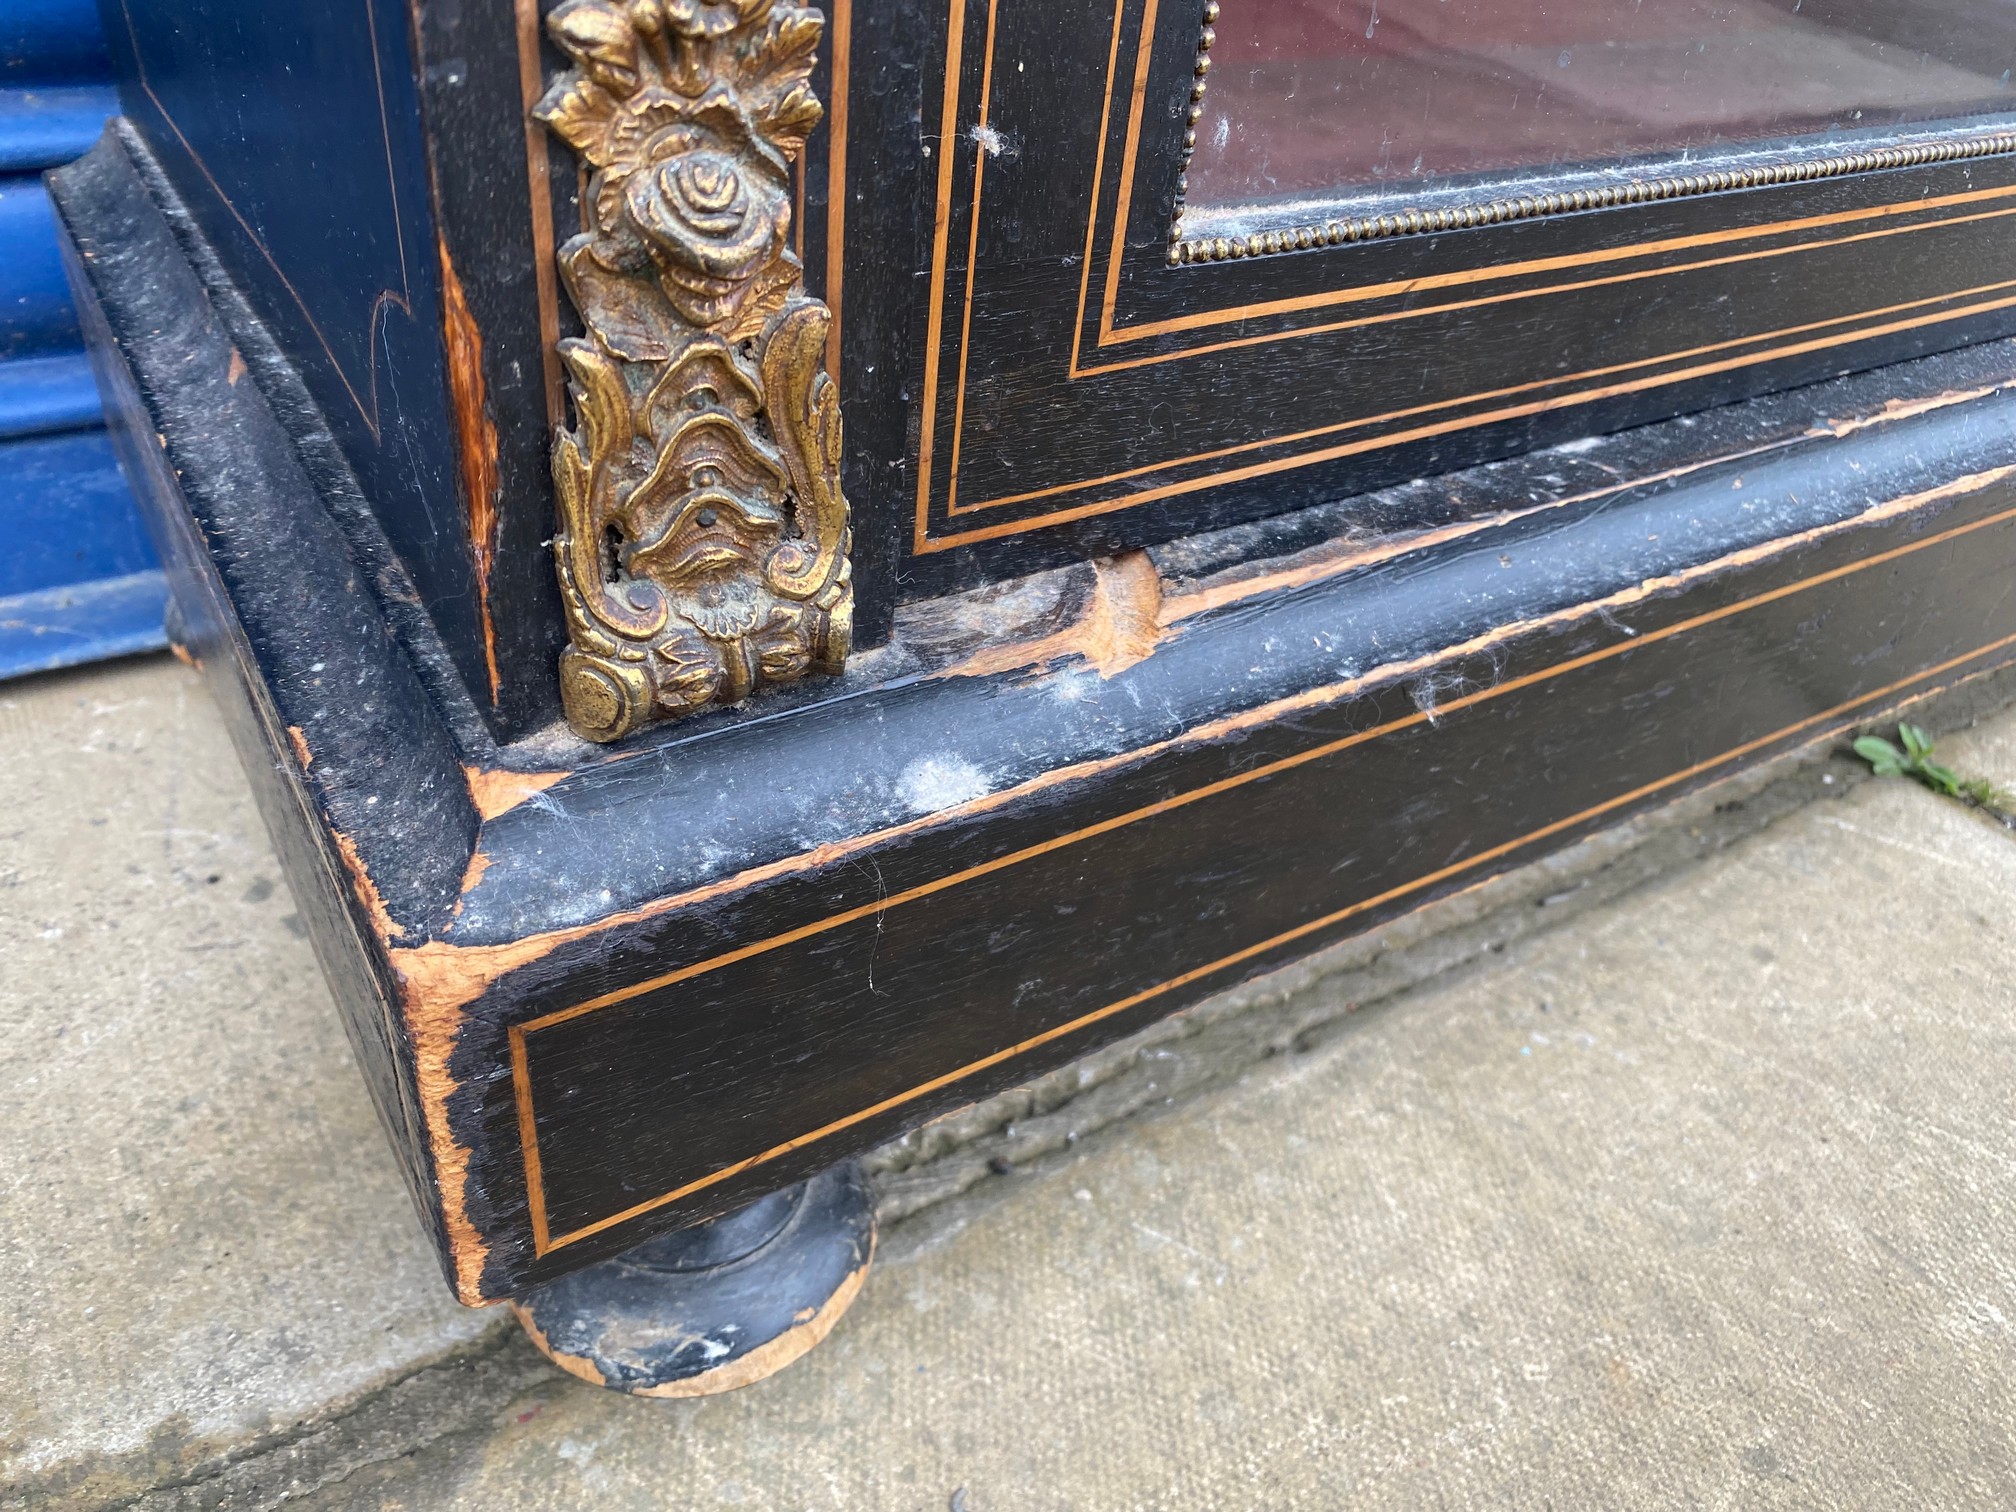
x: 719, y: 1305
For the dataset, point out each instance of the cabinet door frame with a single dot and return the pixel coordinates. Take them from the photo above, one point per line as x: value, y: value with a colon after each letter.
x: 1053, y: 373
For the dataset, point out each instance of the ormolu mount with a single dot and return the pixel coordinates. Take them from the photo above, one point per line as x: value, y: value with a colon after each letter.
x: 703, y: 538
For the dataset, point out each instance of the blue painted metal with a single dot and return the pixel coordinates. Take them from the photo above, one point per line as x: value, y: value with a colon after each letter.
x: 35, y: 312
x: 51, y: 41
x: 66, y: 514
x: 39, y: 395
x: 78, y: 578
x: 84, y: 622
x: 41, y: 127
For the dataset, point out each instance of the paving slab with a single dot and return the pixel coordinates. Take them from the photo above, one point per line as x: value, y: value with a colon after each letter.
x: 1698, y: 1199
x: 202, y: 1238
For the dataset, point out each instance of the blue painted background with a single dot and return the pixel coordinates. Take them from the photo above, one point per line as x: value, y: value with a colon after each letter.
x: 78, y: 580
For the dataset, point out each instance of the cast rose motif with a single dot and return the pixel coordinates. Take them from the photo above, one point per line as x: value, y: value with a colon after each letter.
x: 703, y: 539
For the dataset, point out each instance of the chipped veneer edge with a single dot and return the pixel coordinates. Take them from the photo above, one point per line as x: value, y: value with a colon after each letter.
x: 475, y: 445
x: 479, y: 863
x: 431, y: 1032
x: 494, y: 791
x: 1905, y: 409
x: 1116, y: 592
x: 1219, y: 595
x: 382, y: 923
x: 1119, y: 628
x: 762, y: 1361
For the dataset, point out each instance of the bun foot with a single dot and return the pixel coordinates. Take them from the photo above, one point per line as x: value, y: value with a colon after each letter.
x: 716, y: 1306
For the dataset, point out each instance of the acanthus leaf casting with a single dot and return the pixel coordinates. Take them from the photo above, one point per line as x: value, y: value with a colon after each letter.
x: 703, y: 543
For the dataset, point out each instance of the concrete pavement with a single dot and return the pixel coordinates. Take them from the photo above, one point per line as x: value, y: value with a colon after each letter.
x: 1689, y: 1191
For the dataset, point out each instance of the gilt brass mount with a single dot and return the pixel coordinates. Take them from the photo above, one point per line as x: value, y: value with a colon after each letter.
x: 703, y: 540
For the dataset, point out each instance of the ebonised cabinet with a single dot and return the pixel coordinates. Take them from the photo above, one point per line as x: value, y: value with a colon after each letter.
x: 1004, y: 585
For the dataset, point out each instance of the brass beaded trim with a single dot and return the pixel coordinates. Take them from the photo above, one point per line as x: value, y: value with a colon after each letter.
x: 1418, y: 222
x: 1199, y: 71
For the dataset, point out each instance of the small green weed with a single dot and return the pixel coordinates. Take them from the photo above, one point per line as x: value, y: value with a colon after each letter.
x: 1915, y: 761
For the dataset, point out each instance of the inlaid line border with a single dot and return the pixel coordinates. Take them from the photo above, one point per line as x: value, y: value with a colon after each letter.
x: 925, y: 540
x: 402, y: 298
x: 1506, y: 412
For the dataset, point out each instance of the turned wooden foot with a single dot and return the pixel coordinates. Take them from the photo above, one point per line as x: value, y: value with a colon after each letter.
x: 715, y: 1306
